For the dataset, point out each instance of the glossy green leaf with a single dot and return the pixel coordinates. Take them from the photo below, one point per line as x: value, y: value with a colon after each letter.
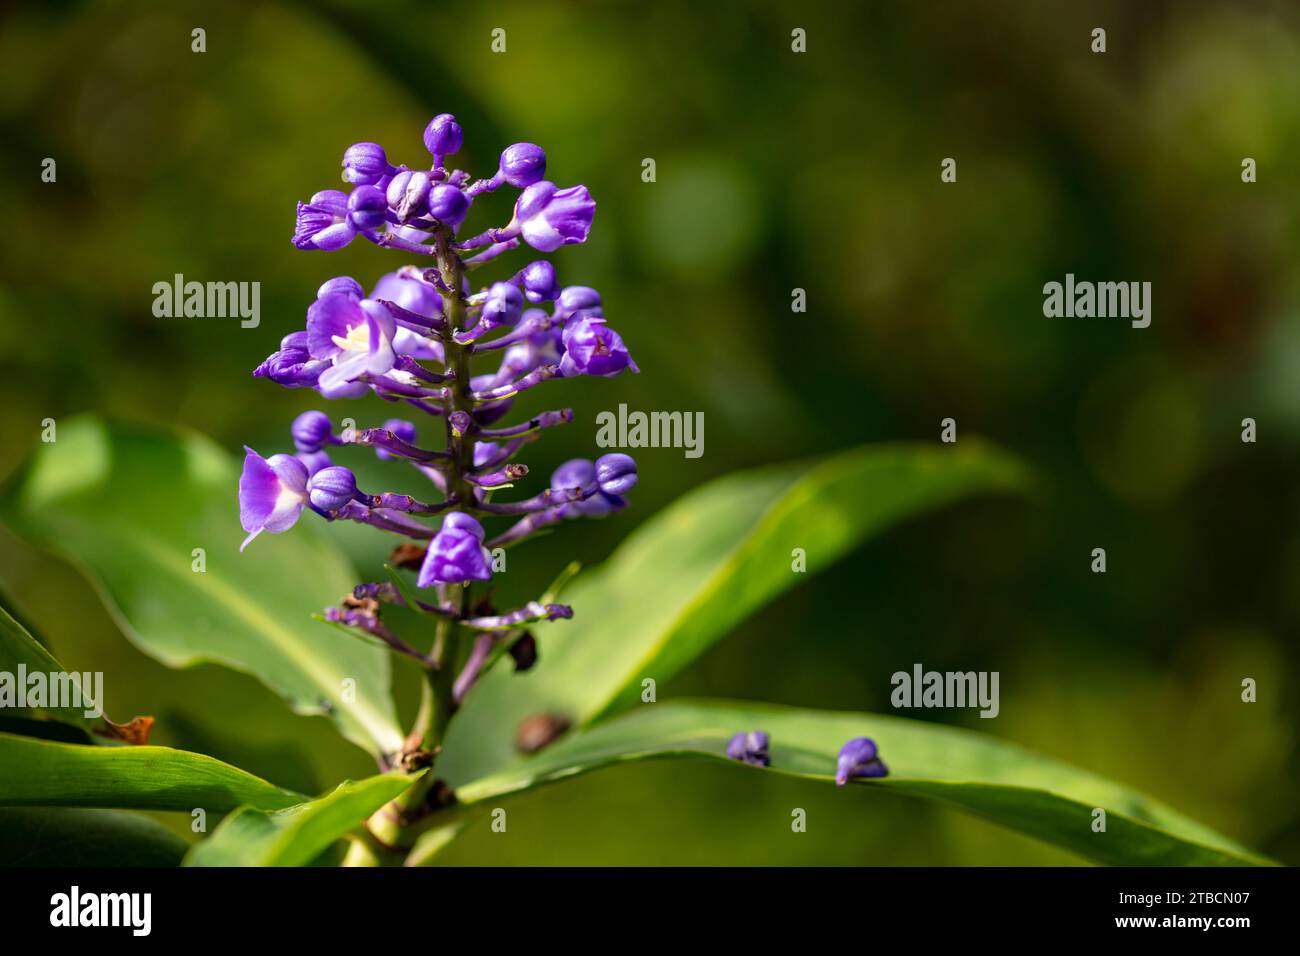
x: 39, y: 836
x: 294, y: 836
x: 131, y: 505
x: 43, y: 773
x: 690, y: 574
x: 1023, y: 791
x: 22, y: 655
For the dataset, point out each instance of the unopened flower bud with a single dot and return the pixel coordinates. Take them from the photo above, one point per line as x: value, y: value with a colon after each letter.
x: 522, y: 165
x: 750, y: 748
x: 331, y: 488
x: 364, y: 164
x: 858, y: 758
x: 367, y: 207
x: 408, y: 194
x: 443, y: 136
x: 616, y: 473
x: 311, y: 431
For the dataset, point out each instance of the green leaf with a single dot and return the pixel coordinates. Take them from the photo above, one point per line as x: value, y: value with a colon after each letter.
x: 130, y: 505
x: 690, y: 574
x: 294, y: 836
x: 18, y: 649
x: 1023, y: 791
x: 37, y: 836
x: 43, y: 773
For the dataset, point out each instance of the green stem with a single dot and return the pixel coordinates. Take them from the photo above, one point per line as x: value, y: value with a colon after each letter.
x: 389, y: 826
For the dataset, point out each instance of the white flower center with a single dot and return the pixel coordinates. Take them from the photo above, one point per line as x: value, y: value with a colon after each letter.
x: 357, y: 340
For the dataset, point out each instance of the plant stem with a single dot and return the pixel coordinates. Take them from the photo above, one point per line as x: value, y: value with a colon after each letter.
x: 389, y: 824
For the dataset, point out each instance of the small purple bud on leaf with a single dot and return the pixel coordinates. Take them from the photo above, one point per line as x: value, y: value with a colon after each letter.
x: 858, y: 758
x: 750, y: 748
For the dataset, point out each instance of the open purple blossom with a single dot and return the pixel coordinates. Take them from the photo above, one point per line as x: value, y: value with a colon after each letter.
x: 858, y: 758
x: 431, y: 341
x: 750, y: 747
x: 456, y: 553
x: 593, y: 348
x: 272, y: 493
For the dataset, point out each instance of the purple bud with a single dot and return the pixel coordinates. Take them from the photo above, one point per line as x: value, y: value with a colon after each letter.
x: 367, y: 207
x: 448, y: 204
x: 593, y: 348
x: 272, y: 492
x: 311, y: 431
x: 442, y: 137
x: 331, y: 488
x: 858, y: 759
x: 539, y: 281
x: 522, y: 165
x: 295, y: 340
x: 292, y: 368
x: 408, y: 194
x: 616, y: 473
x: 576, y: 473
x: 750, y: 748
x: 364, y: 164
x: 344, y: 285
x: 503, y: 305
x: 549, y: 217
x: 456, y: 553
x: 577, y: 298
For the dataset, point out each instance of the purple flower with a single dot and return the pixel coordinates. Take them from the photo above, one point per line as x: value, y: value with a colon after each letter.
x: 858, y: 759
x: 616, y: 473
x: 522, y: 165
x: 356, y: 337
x: 539, y: 281
x: 345, y: 285
x: 311, y: 431
x: 364, y: 164
x: 442, y: 137
x: 503, y: 305
x: 456, y: 553
x: 272, y: 493
x: 750, y: 748
x: 548, y: 217
x: 331, y: 488
x: 291, y: 366
x: 323, y: 222
x: 593, y: 348
x: 579, y: 475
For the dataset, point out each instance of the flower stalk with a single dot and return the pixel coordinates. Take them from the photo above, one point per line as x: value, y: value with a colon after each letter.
x: 415, y: 339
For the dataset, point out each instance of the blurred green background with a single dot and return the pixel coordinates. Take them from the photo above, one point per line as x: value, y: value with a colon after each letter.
x: 775, y: 171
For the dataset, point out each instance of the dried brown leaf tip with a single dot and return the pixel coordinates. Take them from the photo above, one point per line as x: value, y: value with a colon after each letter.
x: 135, y: 731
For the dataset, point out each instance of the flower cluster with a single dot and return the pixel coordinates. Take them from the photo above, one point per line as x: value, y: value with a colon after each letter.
x: 415, y: 339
